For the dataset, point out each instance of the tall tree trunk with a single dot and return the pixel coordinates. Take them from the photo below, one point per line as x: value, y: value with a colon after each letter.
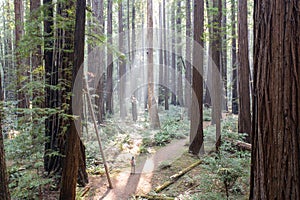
x: 98, y: 9
x: 4, y: 190
x: 179, y: 59
x: 161, y: 67
x: 275, y: 164
x: 196, y: 135
x: 244, y: 72
x: 19, y: 31
x: 235, y: 106
x: 109, y: 81
x: 216, y: 70
x: 188, y: 72
x: 71, y: 162
x: 51, y: 95
x: 122, y: 65
x: 224, y: 57
x: 166, y: 63
x: 153, y: 110
x: 173, y: 50
x: 207, y: 96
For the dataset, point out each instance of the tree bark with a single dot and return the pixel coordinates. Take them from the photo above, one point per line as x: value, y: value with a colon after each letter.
x: 216, y: 71
x: 161, y: 66
x: 179, y: 56
x: 275, y: 166
x: 188, y: 71
x: 19, y: 31
x: 196, y: 134
x: 122, y: 65
x: 109, y: 81
x: 4, y: 189
x: 166, y: 67
x: 235, y: 106
x: 224, y: 57
x: 71, y: 162
x: 244, y: 125
x: 207, y: 96
x: 152, y: 106
x: 173, y: 64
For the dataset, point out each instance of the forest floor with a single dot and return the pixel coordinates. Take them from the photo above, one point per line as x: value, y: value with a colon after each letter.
x: 151, y: 170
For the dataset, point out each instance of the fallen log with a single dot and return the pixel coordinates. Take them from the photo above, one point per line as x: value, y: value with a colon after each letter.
x: 174, y: 177
x: 85, y: 191
x: 154, y: 197
x: 239, y: 144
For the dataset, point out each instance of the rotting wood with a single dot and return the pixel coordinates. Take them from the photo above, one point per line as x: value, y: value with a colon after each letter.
x: 241, y: 145
x: 176, y: 176
x: 154, y: 197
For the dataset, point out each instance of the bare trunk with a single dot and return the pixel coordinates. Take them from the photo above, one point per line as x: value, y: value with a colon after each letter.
x: 275, y: 165
x: 152, y: 106
x: 244, y: 72
x: 109, y: 81
x: 180, y: 61
x: 4, y: 189
x: 122, y: 64
x: 188, y: 72
x: 19, y: 30
x: 235, y: 106
x: 196, y: 134
x: 216, y: 70
x: 173, y: 64
x: 166, y: 66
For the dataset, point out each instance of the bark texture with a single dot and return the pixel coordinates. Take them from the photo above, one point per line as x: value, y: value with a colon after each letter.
x: 244, y: 71
x: 196, y: 135
x: 275, y: 171
x: 152, y: 105
x: 235, y: 105
x: 72, y: 161
x: 4, y: 190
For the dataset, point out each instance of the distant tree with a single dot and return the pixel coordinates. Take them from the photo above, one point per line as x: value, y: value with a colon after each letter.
x: 71, y: 162
x: 275, y: 166
x: 196, y: 134
x: 209, y: 14
x: 188, y: 71
x: 19, y: 31
x: 166, y: 62
x: 109, y: 81
x: 161, y: 52
x: 4, y: 190
x: 173, y: 50
x: 152, y: 105
x: 224, y: 56
x: 122, y: 64
x: 216, y: 71
x: 235, y: 106
x: 244, y: 124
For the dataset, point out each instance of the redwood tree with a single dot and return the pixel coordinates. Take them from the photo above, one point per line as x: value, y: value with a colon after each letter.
x: 235, y: 106
x: 4, y: 191
x: 275, y: 167
x: 244, y: 71
x: 72, y: 162
x: 152, y: 105
x: 196, y: 135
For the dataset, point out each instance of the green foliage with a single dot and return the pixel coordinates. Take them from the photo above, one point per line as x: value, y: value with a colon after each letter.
x: 226, y: 173
x: 206, y: 114
x: 170, y: 129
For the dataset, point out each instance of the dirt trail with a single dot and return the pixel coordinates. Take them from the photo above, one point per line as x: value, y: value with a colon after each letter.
x: 125, y: 184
